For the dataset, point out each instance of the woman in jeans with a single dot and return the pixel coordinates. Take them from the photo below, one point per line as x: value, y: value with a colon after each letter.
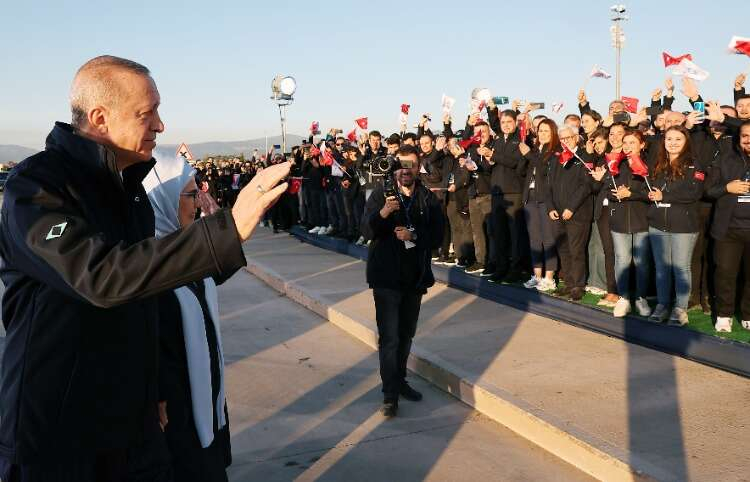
x: 673, y: 221
x: 534, y: 167
x: 629, y: 223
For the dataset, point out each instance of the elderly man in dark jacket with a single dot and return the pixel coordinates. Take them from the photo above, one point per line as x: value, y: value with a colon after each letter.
x: 405, y: 226
x: 81, y: 267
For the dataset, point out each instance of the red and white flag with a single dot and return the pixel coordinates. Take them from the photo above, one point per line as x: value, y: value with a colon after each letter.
x: 405, y: 109
x: 352, y: 136
x: 739, y: 45
x: 362, y: 122
x: 599, y: 72
x: 631, y: 104
x: 669, y: 60
x: 688, y: 69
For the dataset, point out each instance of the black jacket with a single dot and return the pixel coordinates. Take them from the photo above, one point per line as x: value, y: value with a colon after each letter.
x: 569, y: 187
x: 81, y: 269
x: 678, y: 211
x: 386, y: 251
x: 629, y: 215
x: 481, y: 179
x: 535, y: 166
x: 505, y: 159
x: 730, y: 165
x: 434, y: 174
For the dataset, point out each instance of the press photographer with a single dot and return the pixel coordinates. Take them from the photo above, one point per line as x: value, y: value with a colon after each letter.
x: 404, y: 220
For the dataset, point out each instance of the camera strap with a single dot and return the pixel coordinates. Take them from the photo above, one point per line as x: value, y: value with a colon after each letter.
x: 407, y: 207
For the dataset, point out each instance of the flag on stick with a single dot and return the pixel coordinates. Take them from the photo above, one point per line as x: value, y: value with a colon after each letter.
x: 631, y: 104
x: 669, y: 60
x: 599, y: 72
x: 362, y: 122
x: 688, y: 69
x: 739, y: 45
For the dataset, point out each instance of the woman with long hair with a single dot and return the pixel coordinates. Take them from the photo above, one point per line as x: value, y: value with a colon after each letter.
x: 629, y: 222
x: 673, y: 220
x: 535, y: 166
x: 590, y: 121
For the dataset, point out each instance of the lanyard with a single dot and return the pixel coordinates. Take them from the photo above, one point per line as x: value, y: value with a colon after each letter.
x: 407, y: 207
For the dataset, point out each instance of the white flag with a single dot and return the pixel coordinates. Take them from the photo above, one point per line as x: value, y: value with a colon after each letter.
x: 447, y: 103
x: 688, y: 68
x: 403, y: 118
x: 557, y: 107
x: 598, y: 72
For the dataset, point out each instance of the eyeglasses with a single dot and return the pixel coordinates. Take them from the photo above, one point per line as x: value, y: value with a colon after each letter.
x: 568, y: 137
x: 193, y: 194
x: 339, y: 144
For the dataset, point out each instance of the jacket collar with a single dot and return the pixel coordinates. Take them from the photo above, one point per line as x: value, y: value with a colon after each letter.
x: 94, y: 157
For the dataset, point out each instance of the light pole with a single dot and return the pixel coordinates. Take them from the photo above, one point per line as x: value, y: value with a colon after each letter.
x: 618, y: 40
x: 282, y: 89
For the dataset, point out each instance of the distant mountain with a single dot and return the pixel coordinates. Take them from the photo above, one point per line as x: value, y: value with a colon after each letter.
x: 9, y: 152
x: 201, y: 150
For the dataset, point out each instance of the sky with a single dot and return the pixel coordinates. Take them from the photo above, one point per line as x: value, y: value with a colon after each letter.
x: 213, y: 62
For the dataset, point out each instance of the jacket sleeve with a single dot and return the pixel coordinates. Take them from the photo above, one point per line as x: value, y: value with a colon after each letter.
x: 668, y: 101
x: 373, y: 224
x: 738, y: 94
x: 716, y: 182
x: 447, y: 130
x: 584, y: 108
x: 48, y: 238
x: 437, y: 222
x: 494, y: 119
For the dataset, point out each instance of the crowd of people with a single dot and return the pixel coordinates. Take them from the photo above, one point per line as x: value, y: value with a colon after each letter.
x: 616, y: 203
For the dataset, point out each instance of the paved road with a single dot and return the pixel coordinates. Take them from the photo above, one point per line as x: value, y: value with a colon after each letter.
x: 304, y: 400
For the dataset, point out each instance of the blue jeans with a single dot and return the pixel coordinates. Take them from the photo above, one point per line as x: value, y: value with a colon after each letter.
x: 673, y: 253
x: 631, y: 247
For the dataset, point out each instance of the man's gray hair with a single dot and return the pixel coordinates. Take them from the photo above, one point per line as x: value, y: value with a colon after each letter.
x: 95, y: 84
x: 566, y: 127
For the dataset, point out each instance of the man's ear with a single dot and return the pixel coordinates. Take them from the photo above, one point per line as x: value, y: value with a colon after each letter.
x: 97, y: 118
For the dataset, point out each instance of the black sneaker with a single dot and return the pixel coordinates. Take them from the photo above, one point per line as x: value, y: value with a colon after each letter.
x: 409, y: 393
x: 389, y: 408
x: 488, y: 271
x: 475, y: 268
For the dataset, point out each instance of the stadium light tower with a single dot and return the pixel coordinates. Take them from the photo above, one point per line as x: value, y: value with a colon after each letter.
x: 618, y: 40
x: 282, y: 91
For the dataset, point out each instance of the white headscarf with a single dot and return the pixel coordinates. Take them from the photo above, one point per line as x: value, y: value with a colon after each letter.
x: 164, y: 184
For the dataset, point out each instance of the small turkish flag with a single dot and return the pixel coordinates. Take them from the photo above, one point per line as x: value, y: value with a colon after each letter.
x: 522, y: 131
x: 637, y: 166
x: 566, y: 155
x: 315, y: 128
x: 314, y: 151
x: 631, y: 104
x: 474, y: 140
x: 669, y: 60
x: 362, y: 122
x: 405, y: 109
x: 699, y: 176
x: 613, y: 162
x: 740, y: 45
x: 352, y: 136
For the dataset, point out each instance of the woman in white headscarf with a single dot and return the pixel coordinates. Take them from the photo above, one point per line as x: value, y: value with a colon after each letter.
x: 191, y: 364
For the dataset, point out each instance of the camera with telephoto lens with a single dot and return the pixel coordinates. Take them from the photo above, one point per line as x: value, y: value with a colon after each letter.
x: 380, y: 166
x: 389, y: 181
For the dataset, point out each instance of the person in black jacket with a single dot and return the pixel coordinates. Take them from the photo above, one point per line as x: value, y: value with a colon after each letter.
x: 480, y: 199
x: 81, y: 269
x: 730, y: 186
x: 628, y: 205
x: 536, y: 164
x: 434, y: 176
x: 570, y: 206
x: 404, y: 229
x: 674, y: 222
x: 507, y: 206
x: 458, y: 204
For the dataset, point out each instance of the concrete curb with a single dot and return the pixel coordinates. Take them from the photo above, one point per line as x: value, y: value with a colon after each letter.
x: 586, y: 452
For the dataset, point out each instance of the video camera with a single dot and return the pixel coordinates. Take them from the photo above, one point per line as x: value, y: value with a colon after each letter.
x: 385, y: 165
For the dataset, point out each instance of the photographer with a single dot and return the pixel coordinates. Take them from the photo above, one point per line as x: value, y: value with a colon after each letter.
x: 404, y: 220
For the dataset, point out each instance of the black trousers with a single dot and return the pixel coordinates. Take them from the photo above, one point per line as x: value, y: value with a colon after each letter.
x: 605, y: 234
x: 730, y: 253
x: 396, y: 313
x: 701, y: 262
x: 507, y: 219
x: 460, y: 226
x: 573, y: 238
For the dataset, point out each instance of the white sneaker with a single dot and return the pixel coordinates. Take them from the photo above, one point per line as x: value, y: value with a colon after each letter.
x: 360, y: 241
x: 746, y: 324
x: 595, y: 291
x: 314, y: 230
x: 642, y: 306
x: 622, y: 308
x: 327, y: 231
x: 532, y: 283
x: 723, y: 323
x: 678, y: 317
x: 546, y: 285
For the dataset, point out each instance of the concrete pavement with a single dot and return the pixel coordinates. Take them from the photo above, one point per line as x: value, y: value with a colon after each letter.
x: 304, y: 398
x: 618, y: 411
